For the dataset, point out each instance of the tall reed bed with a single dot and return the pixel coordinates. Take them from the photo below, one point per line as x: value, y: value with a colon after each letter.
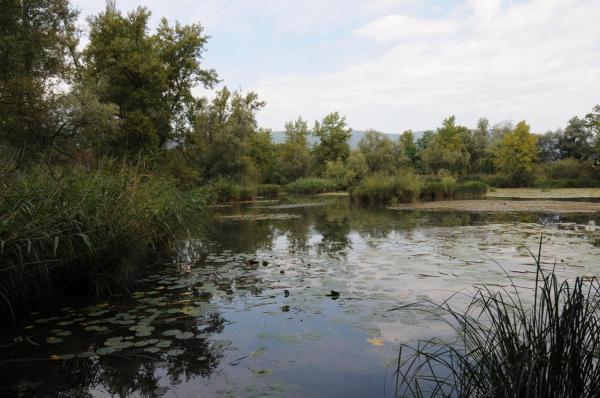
x: 62, y: 227
x: 506, y: 348
x: 383, y: 189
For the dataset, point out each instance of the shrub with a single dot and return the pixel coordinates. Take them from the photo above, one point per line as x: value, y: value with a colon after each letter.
x: 223, y: 191
x: 439, y: 189
x: 569, y: 169
x: 312, y: 186
x: 381, y: 188
x: 505, y: 348
x: 70, y: 226
x: 471, y: 189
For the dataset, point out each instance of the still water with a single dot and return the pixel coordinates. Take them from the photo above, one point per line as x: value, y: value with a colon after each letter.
x: 298, y: 298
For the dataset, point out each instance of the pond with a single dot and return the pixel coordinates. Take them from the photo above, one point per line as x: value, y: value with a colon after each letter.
x: 294, y: 298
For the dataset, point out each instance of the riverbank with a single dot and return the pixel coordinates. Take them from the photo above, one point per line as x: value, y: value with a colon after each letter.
x: 487, y: 205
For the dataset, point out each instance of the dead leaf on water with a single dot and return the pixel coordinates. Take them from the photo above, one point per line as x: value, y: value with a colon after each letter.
x: 376, y: 341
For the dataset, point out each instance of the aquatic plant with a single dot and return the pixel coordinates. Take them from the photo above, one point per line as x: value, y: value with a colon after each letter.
x: 67, y: 228
x: 506, y: 348
x: 383, y: 188
x: 268, y: 190
x: 470, y: 190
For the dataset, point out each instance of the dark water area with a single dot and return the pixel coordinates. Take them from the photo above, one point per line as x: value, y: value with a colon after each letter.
x: 296, y: 298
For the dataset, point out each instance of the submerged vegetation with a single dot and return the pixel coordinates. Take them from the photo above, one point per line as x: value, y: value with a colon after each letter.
x: 509, y: 347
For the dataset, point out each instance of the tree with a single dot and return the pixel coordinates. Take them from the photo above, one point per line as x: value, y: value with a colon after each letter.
x: 548, y: 146
x: 224, y: 141
x: 446, y: 149
x: 516, y: 153
x: 576, y: 141
x: 378, y: 151
x: 477, y: 142
x: 36, y: 37
x: 333, y: 139
x: 149, y: 77
x: 294, y: 152
x: 406, y: 149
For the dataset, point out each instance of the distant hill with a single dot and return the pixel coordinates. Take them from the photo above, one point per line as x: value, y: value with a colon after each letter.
x: 357, y: 135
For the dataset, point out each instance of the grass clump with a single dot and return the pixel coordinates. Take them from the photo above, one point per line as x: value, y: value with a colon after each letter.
x: 268, y: 190
x: 384, y: 189
x: 72, y: 227
x: 313, y: 186
x: 471, y: 190
x: 506, y: 348
x: 223, y: 191
x: 439, y: 189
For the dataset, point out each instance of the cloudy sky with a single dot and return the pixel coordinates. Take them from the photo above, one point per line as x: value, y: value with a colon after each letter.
x: 393, y: 65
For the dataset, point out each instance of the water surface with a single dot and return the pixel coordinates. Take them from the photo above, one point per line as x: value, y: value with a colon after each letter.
x: 297, y: 298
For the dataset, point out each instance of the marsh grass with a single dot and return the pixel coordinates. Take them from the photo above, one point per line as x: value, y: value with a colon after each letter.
x: 384, y: 189
x: 67, y: 228
x: 506, y: 348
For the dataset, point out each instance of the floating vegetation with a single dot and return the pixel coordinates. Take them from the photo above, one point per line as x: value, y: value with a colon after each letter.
x: 260, y: 217
x: 271, y: 297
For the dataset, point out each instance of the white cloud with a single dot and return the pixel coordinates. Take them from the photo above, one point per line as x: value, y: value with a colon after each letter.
x: 537, y: 60
x: 397, y: 26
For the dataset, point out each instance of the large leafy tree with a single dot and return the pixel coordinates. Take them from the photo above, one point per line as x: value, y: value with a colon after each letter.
x: 333, y: 136
x: 406, y: 149
x: 516, y: 153
x: 378, y: 151
x: 149, y: 77
x: 36, y: 40
x: 576, y: 141
x: 294, y: 152
x: 446, y: 149
x: 223, y: 138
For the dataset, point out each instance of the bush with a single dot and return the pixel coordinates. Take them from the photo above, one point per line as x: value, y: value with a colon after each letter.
x: 439, y: 189
x: 471, y: 189
x: 505, y: 348
x: 381, y: 188
x: 569, y: 169
x: 223, y: 191
x: 268, y: 190
x: 69, y: 226
x: 247, y: 193
x: 313, y: 186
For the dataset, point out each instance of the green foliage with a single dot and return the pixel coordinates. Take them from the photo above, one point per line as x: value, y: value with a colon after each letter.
x: 223, y: 191
x: 383, y: 189
x: 149, y: 77
x: 36, y: 41
x: 516, y: 153
x: 313, y: 186
x: 333, y: 136
x: 70, y: 226
x: 225, y: 142
x: 507, y: 348
x: 471, y: 189
x: 439, y: 188
x: 378, y: 151
x: 446, y: 148
x: 268, y: 190
x: 406, y: 150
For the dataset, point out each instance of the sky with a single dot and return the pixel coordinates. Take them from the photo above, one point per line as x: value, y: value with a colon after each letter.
x: 393, y: 65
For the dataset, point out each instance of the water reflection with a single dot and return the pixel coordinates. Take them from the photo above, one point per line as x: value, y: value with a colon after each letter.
x: 245, y: 307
